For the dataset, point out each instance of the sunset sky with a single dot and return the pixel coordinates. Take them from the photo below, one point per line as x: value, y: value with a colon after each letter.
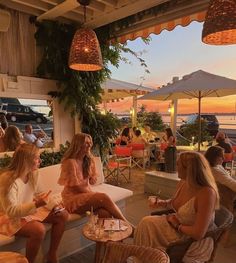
x: 177, y: 53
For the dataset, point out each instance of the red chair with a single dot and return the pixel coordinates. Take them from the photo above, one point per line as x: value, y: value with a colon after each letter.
x: 119, y: 163
x: 234, y: 148
x: 118, y: 140
x: 140, y: 155
x: 163, y: 146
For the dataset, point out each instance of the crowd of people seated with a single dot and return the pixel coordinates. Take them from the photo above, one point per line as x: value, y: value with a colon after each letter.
x: 11, y: 138
x: 160, y: 145
x: 24, y: 207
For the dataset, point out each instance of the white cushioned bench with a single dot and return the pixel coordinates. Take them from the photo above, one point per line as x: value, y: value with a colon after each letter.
x: 73, y: 239
x: 158, y: 181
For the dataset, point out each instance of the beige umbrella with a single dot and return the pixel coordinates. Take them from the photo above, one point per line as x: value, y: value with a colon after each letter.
x: 199, y: 84
x: 117, y: 89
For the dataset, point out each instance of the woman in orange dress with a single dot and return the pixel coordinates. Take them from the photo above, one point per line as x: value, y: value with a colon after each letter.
x: 22, y: 204
x: 78, y: 172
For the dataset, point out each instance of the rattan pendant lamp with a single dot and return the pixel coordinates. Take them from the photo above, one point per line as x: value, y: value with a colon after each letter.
x: 85, y: 52
x: 220, y: 24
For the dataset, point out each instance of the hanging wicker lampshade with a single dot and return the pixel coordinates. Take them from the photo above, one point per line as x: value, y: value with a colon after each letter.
x: 85, y: 53
x: 220, y: 23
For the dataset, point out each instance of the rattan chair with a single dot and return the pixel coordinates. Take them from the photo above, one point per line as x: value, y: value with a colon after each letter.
x: 223, y: 221
x: 119, y: 253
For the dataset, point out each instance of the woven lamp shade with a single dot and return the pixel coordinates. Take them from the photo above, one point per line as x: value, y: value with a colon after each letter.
x: 85, y: 53
x: 220, y: 24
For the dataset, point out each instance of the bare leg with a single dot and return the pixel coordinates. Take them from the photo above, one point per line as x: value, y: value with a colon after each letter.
x: 102, y: 201
x: 58, y: 226
x: 34, y: 232
x: 102, y: 213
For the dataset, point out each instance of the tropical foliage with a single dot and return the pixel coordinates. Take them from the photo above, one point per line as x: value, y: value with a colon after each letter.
x: 152, y: 119
x: 80, y: 92
x: 190, y: 133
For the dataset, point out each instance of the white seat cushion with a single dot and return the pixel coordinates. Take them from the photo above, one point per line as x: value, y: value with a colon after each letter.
x: 48, y: 178
x: 4, y: 240
x: 114, y: 192
x: 99, y: 169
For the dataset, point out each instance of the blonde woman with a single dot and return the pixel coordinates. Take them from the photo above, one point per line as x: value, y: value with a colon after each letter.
x: 22, y: 204
x: 78, y: 173
x: 11, y: 139
x: 194, y: 203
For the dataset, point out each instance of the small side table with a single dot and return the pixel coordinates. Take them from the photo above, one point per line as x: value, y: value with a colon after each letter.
x: 101, y: 241
x: 12, y: 257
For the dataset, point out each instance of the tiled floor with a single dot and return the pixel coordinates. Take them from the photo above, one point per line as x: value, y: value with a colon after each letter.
x: 137, y: 208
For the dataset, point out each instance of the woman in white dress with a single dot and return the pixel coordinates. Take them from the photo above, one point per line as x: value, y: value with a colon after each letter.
x: 22, y: 204
x: 195, y: 201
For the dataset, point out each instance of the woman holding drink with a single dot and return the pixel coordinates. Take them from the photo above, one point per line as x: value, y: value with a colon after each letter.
x: 194, y: 204
x: 23, y: 206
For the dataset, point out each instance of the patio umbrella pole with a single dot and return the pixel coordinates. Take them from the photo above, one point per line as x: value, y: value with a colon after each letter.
x: 199, y: 121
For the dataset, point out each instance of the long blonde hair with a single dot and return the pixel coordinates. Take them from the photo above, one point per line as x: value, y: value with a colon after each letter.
x: 22, y: 159
x: 198, y: 172
x: 74, y: 150
x: 12, y: 138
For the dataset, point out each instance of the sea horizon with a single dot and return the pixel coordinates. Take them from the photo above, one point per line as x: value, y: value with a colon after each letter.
x: 226, y: 120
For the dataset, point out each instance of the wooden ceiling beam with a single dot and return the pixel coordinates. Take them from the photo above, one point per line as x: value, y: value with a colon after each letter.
x: 21, y: 8
x: 97, y: 6
x: 111, y: 3
x: 124, y: 9
x: 74, y: 17
x: 59, y: 10
x: 34, y: 4
x: 51, y: 2
x: 80, y: 10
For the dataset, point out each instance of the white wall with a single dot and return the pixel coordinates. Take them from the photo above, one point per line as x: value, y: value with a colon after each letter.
x: 36, y: 88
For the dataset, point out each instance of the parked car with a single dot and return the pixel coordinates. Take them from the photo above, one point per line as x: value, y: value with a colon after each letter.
x: 18, y: 112
x: 210, y: 119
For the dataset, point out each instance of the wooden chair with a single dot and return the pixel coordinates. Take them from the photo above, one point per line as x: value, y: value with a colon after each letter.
x: 140, y: 155
x: 223, y: 221
x: 120, y: 162
x: 119, y: 253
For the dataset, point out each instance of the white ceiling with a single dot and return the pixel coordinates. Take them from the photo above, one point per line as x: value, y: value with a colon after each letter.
x: 99, y: 12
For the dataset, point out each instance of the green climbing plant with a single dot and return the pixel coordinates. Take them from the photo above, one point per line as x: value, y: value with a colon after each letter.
x: 80, y: 92
x: 47, y: 157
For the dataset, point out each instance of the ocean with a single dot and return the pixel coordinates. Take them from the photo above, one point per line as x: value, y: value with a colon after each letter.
x: 226, y: 121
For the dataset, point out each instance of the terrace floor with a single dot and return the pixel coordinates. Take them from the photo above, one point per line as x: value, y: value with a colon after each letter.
x: 136, y: 209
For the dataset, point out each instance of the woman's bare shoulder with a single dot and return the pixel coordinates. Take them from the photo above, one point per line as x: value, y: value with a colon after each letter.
x: 206, y: 191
